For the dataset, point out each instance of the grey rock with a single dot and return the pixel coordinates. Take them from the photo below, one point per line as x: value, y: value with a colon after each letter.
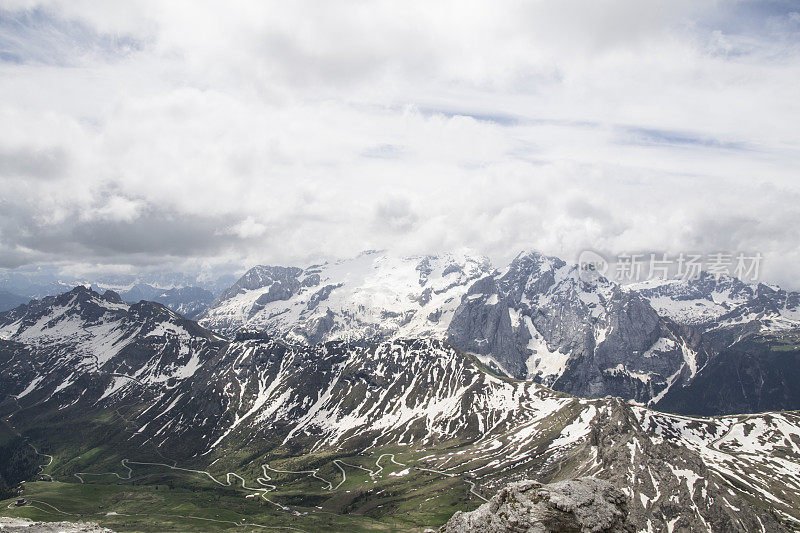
x: 112, y: 296
x: 15, y: 525
x: 580, y: 505
x: 263, y: 276
x: 321, y: 295
x: 542, y: 307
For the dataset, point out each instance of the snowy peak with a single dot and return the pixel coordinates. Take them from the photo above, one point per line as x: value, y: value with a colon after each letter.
x: 80, y: 334
x: 546, y: 320
x: 372, y: 297
x: 51, y: 315
x: 711, y: 302
x: 82, y: 312
x: 695, y: 301
x: 770, y: 309
x: 263, y: 277
x: 533, y: 278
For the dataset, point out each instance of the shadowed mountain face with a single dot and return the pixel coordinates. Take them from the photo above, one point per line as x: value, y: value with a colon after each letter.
x: 542, y: 321
x: 761, y: 372
x: 144, y: 384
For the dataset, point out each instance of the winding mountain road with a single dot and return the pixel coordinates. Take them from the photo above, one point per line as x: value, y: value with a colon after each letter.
x: 7, y: 421
x: 230, y: 477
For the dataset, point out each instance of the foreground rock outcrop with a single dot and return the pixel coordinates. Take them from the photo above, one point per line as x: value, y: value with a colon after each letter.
x: 585, y: 505
x: 13, y: 525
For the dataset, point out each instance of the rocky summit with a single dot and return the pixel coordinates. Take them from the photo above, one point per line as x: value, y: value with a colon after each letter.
x: 585, y: 505
x: 23, y: 525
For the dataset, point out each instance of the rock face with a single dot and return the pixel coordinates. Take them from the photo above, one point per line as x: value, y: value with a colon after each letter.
x: 749, y: 338
x: 542, y: 320
x: 14, y: 525
x: 757, y: 373
x: 580, y: 505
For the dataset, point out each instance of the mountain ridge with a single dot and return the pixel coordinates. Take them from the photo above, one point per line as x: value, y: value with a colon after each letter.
x: 539, y: 318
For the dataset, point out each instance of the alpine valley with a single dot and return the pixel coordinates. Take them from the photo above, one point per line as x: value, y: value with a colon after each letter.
x: 384, y: 394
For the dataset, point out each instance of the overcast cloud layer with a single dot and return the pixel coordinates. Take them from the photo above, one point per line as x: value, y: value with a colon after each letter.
x: 191, y: 134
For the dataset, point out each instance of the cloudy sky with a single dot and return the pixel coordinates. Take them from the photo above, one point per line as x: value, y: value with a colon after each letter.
x: 192, y: 134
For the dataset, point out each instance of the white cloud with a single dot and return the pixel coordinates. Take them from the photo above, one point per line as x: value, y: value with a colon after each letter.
x: 275, y: 132
x: 248, y: 228
x: 116, y: 208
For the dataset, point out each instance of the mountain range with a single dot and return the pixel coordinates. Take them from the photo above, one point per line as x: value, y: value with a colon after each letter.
x: 102, y: 396
x: 184, y: 293
x: 657, y: 343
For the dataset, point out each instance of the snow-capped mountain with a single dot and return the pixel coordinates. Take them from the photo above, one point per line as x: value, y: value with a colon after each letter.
x: 49, y: 280
x: 721, y: 301
x: 101, y: 342
x: 662, y: 343
x: 174, y: 390
x: 373, y: 297
x: 539, y: 318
